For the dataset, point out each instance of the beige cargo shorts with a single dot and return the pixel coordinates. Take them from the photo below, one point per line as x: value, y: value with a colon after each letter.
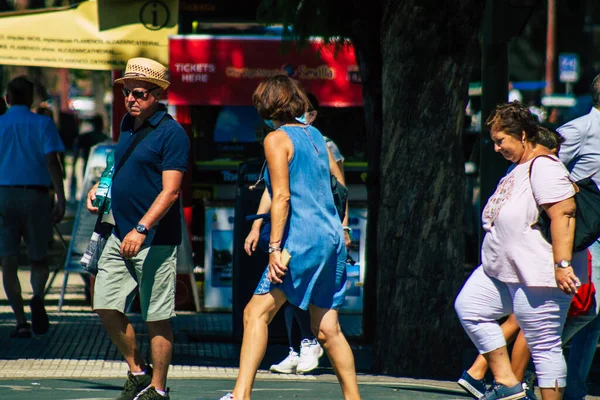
x: 153, y: 270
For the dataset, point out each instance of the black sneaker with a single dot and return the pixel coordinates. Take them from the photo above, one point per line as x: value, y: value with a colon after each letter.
x: 21, y: 331
x: 151, y: 394
x: 135, y: 384
x: 39, y: 318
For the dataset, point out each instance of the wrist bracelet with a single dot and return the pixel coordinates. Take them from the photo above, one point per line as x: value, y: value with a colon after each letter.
x: 348, y: 229
x: 273, y: 249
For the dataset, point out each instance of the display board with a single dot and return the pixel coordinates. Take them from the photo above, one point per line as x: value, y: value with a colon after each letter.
x: 84, y: 222
x: 357, y: 220
x: 218, y: 258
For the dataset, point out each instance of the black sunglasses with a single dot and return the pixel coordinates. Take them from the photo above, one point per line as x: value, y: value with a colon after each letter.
x: 136, y: 93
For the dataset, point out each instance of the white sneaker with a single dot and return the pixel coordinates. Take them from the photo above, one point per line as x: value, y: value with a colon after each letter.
x: 288, y: 365
x: 310, y: 352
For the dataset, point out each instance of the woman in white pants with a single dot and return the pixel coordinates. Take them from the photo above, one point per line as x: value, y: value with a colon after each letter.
x: 521, y: 272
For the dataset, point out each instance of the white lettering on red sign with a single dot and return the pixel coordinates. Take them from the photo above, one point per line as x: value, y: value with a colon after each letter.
x: 197, y: 68
x: 192, y: 78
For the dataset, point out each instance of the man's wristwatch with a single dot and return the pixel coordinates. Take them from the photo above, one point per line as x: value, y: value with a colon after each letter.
x: 562, y: 264
x: 349, y: 230
x: 141, y: 229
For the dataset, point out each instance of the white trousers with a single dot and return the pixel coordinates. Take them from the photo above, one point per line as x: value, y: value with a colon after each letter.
x: 540, y: 312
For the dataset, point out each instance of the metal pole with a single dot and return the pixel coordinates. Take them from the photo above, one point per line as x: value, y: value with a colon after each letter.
x: 550, y: 47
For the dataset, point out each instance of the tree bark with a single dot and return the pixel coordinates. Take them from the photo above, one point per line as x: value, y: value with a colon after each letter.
x: 428, y: 55
x: 366, y: 39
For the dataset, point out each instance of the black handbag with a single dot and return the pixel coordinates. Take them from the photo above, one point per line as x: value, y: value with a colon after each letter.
x: 340, y: 196
x: 587, y: 214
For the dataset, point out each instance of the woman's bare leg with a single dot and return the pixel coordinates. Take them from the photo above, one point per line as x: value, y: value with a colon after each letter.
x: 258, y: 313
x: 510, y: 328
x: 520, y: 357
x: 499, y: 363
x: 326, y: 328
x: 552, y: 393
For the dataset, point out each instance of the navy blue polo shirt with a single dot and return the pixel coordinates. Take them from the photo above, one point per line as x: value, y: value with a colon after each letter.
x: 139, y: 181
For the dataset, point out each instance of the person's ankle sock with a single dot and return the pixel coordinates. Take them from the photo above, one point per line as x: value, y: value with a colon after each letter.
x: 161, y: 392
x: 143, y: 372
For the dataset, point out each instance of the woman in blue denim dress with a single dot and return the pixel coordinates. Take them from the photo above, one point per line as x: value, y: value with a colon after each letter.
x: 304, y: 222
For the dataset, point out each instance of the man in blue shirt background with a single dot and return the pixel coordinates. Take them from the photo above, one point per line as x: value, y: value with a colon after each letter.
x: 581, y: 155
x: 141, y: 252
x: 29, y: 166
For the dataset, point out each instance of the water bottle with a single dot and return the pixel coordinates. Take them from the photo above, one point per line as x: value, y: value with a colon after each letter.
x: 103, y: 191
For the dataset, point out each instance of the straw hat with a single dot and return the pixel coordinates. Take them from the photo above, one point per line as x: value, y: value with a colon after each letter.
x: 147, y: 70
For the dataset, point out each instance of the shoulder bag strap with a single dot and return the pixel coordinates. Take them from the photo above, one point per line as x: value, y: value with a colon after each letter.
x: 139, y: 136
x: 532, y: 161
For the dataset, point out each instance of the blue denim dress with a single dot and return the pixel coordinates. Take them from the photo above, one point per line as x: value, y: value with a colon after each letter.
x: 313, y: 235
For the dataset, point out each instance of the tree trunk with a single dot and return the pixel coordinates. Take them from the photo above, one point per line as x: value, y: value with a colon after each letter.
x: 366, y: 42
x: 428, y: 55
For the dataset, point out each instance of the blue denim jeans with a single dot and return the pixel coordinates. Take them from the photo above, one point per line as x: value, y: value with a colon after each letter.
x: 583, y: 344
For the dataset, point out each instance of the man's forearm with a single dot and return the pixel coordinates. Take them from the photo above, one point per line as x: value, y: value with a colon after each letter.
x: 56, y: 175
x: 159, y: 208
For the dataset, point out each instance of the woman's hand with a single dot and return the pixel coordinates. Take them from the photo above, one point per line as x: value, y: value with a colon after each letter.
x: 276, y: 269
x: 347, y: 239
x: 566, y: 280
x: 90, y: 200
x: 251, y: 241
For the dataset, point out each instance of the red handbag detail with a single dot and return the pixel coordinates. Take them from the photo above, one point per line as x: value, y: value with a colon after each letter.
x: 584, y: 298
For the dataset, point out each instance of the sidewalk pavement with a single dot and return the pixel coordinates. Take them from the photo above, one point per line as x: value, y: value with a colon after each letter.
x: 76, y: 360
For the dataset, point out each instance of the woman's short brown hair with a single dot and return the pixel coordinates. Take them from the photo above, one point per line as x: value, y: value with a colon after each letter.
x: 513, y: 119
x: 280, y: 98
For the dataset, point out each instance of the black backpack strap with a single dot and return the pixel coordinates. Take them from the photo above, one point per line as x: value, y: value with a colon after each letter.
x: 139, y: 136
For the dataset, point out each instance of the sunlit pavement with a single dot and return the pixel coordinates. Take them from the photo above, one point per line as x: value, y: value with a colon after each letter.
x: 76, y: 360
x: 205, y: 389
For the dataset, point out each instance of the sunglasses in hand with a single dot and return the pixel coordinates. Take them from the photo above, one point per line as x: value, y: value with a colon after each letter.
x: 137, y: 93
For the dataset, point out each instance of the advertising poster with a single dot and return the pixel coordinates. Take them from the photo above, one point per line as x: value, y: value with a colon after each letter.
x: 355, y: 265
x: 225, y: 70
x: 218, y: 258
x: 93, y: 35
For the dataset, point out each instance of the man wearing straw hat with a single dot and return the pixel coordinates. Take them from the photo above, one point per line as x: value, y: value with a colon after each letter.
x: 141, y: 252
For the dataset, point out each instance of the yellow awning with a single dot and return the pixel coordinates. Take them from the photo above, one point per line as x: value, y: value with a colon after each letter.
x: 98, y: 35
